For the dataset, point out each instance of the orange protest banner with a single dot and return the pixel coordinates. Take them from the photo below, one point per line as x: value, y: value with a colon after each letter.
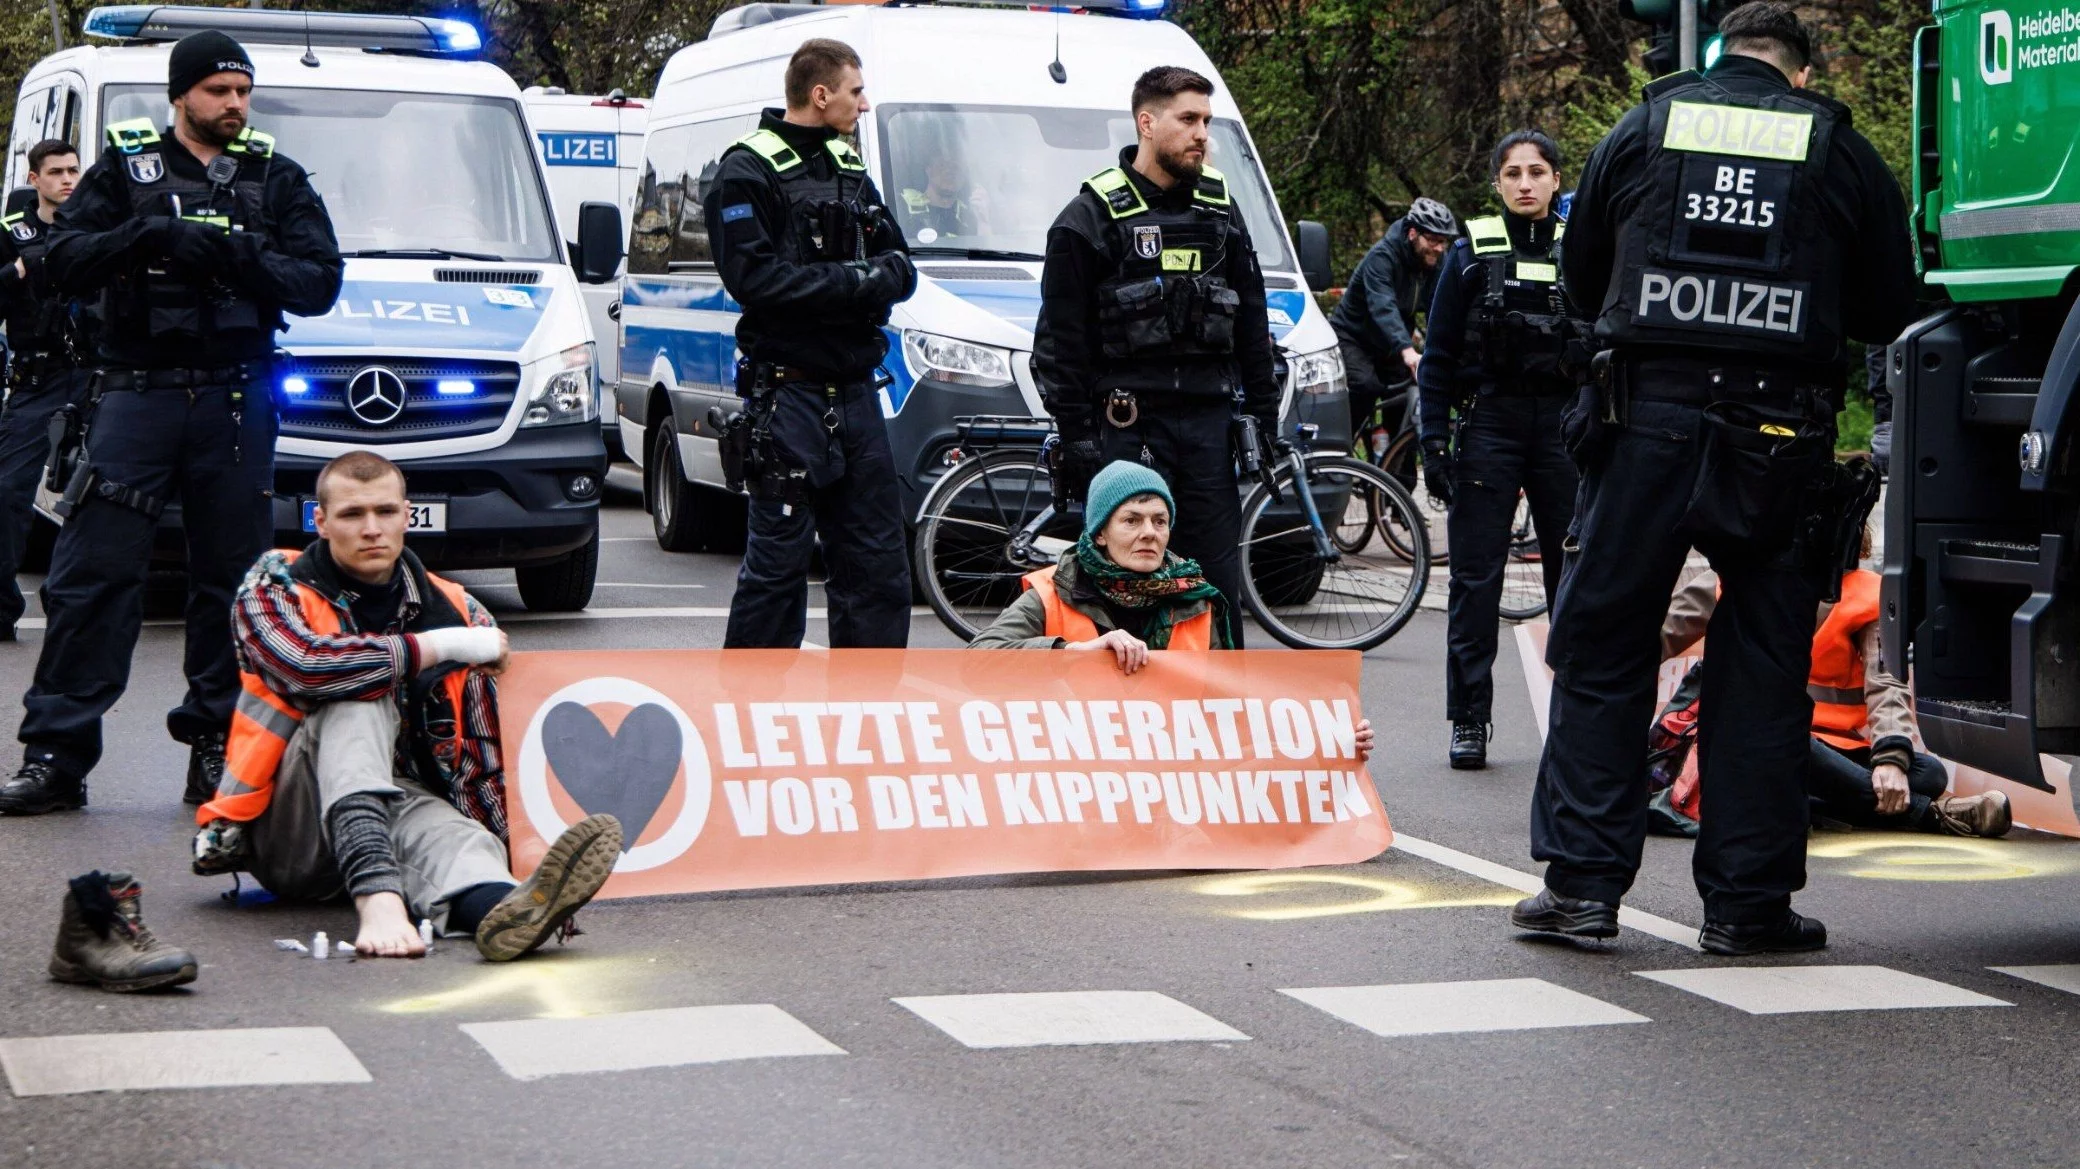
x: 738, y: 769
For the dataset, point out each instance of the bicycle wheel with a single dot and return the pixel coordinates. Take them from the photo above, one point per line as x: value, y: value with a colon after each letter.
x: 1403, y: 461
x: 966, y: 559
x: 1524, y: 573
x: 1370, y: 445
x: 1339, y: 601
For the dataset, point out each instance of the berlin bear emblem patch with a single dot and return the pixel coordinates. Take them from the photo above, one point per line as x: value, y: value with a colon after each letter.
x: 1148, y: 242
x: 146, y: 168
x: 24, y: 232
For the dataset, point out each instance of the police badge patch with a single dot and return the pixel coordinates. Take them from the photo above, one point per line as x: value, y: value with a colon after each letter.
x: 146, y: 168
x: 22, y: 231
x: 1148, y: 242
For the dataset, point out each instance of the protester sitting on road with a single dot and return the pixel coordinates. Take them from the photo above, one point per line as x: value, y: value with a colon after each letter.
x: 1862, y: 768
x: 364, y: 755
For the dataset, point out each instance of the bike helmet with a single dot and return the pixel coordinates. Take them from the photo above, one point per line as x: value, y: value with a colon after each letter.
x: 1427, y: 214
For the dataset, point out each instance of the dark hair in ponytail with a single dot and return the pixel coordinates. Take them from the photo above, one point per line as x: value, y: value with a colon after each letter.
x: 1515, y: 138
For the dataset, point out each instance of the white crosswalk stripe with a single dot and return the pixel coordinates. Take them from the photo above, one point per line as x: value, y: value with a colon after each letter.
x: 1441, y: 1008
x: 1071, y: 1017
x: 529, y: 1049
x: 63, y: 1064
x: 2065, y: 977
x: 1780, y: 990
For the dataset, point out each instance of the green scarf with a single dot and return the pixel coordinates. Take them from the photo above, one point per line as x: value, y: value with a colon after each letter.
x: 1174, y: 586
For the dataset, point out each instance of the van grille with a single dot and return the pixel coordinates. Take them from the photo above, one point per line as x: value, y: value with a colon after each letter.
x: 485, y: 276
x: 321, y: 412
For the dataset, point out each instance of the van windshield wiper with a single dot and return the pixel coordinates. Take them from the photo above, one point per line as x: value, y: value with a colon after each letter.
x: 978, y: 254
x: 425, y: 254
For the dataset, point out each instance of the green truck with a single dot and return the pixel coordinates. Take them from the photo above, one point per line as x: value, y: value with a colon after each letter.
x: 1980, y: 590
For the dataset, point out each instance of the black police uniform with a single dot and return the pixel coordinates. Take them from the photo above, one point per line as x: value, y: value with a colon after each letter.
x: 797, y: 225
x: 1152, y: 323
x: 1731, y: 233
x: 1376, y: 320
x: 44, y: 333
x: 192, y: 278
x: 1498, y: 326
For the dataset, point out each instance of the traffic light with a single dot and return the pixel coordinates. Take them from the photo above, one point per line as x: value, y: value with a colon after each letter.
x: 1663, y: 55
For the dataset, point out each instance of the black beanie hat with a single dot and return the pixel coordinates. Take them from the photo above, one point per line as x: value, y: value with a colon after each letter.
x: 198, y: 55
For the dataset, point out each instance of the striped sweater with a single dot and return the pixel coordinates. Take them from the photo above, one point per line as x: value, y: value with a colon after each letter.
x: 309, y: 669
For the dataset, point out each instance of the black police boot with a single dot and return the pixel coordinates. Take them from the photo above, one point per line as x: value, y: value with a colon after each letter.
x: 1789, y: 934
x: 1469, y: 746
x: 42, y: 785
x: 1550, y: 913
x: 205, y: 768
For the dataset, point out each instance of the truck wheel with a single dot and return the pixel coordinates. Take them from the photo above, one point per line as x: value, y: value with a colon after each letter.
x: 560, y: 586
x: 675, y: 504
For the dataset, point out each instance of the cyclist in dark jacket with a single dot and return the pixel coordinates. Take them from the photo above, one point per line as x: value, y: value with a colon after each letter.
x: 1376, y: 319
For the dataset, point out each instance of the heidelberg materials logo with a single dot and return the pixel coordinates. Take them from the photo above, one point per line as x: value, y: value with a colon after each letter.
x: 1996, y: 47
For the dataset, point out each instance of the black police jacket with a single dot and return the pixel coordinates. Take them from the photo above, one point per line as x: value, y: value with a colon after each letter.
x: 1861, y: 230
x: 37, y: 317
x: 1452, y: 369
x: 1379, y: 305
x: 1084, y: 255
x: 288, y: 263
x: 801, y: 308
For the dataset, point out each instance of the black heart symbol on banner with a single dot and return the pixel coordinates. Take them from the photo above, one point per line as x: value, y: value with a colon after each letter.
x: 626, y: 773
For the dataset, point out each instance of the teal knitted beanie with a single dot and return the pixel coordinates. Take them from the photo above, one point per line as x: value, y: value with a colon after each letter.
x: 1119, y: 482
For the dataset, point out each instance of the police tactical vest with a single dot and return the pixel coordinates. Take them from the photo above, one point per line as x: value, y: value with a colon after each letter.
x: 1730, y: 250
x: 1519, y: 326
x: 824, y: 222
x: 1167, y: 297
x: 157, y: 301
x: 41, y: 329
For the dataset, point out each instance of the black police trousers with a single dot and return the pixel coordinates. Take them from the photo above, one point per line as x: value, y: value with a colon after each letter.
x: 1187, y: 440
x: 24, y: 448
x: 178, y: 445
x: 853, y: 503
x: 1505, y: 444
x: 1589, y: 807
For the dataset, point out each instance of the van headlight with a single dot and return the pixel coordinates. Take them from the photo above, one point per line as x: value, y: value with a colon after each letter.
x: 566, y: 391
x: 1320, y: 372
x: 963, y: 363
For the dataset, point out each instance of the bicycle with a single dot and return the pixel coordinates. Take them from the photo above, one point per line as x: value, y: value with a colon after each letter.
x: 991, y: 519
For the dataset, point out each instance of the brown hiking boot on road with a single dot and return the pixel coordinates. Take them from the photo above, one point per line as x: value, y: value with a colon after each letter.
x: 102, y: 939
x: 1986, y: 814
x: 573, y: 870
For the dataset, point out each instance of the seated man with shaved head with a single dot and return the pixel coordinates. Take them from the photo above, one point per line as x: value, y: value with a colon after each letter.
x: 364, y: 757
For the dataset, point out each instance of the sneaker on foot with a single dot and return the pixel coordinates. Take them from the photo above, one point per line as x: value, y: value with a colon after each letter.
x: 1469, y: 746
x: 205, y: 768
x: 1789, y: 934
x: 1986, y: 814
x: 572, y: 871
x: 103, y: 941
x: 1550, y: 913
x: 42, y: 785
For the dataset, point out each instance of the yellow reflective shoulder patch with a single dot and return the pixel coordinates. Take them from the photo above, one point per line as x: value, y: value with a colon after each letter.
x: 1181, y: 259
x: 1777, y: 135
x: 1539, y: 273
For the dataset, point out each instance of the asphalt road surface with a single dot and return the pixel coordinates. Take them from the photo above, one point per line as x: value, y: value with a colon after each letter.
x: 840, y: 1029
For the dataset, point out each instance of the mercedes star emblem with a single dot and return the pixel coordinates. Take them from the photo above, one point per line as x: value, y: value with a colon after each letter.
x: 376, y: 396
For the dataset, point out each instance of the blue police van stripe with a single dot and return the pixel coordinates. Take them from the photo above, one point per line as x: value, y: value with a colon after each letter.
x: 463, y: 317
x: 571, y: 148
x: 735, y: 212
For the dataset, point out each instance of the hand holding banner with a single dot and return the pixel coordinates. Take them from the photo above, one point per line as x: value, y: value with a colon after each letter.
x: 734, y: 769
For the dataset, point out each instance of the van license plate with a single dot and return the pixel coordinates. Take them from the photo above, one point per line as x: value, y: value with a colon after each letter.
x: 428, y: 516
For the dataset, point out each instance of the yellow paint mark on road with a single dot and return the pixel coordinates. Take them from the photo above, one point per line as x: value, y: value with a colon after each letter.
x: 1374, y: 895
x: 1899, y: 857
x: 560, y: 989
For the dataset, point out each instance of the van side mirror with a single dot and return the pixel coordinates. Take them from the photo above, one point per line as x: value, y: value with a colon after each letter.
x: 1312, y: 240
x: 597, y: 255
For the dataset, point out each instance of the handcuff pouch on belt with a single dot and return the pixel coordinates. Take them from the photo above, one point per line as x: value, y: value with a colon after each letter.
x: 751, y: 460
x: 71, y: 473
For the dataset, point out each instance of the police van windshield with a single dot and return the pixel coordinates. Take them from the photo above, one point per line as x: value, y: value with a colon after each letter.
x: 401, y: 172
x: 991, y: 179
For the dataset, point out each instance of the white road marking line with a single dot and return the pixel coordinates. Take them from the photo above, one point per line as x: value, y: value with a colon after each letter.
x: 529, y: 1049
x: 1509, y: 878
x: 131, y: 1061
x: 1069, y: 1017
x: 1781, y: 990
x: 636, y: 584
x: 2065, y: 978
x: 1441, y: 1008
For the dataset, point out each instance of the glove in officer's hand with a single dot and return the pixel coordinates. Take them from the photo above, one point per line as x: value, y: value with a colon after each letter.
x: 890, y: 278
x: 1080, y: 462
x: 197, y: 247
x: 1437, y: 471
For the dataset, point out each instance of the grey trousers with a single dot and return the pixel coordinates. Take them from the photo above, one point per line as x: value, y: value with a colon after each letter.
x: 347, y: 747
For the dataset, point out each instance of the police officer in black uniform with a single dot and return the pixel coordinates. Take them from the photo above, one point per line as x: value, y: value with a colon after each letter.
x: 1499, y: 327
x: 195, y: 240
x: 806, y: 246
x: 1152, y: 331
x: 44, y: 333
x: 1731, y: 234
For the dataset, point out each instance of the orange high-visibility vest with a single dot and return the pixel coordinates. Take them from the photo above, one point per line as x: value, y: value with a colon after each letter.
x: 1840, y: 716
x: 263, y: 722
x: 1065, y: 622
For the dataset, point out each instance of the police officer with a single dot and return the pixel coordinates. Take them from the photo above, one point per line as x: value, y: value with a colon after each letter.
x: 1152, y: 332
x: 1375, y: 322
x: 806, y: 246
x: 195, y: 240
x: 1499, y: 326
x: 43, y: 332
x: 1731, y: 233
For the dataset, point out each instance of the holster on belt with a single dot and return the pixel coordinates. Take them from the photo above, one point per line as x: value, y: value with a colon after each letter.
x: 1598, y: 412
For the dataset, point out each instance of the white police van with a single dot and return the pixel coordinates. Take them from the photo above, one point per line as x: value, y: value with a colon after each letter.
x: 459, y: 345
x: 983, y: 124
x: 593, y: 146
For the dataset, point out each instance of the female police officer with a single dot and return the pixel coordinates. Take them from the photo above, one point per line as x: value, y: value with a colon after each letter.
x: 1497, y: 324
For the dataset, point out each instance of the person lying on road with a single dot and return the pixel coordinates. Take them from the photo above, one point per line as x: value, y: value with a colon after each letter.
x: 364, y: 756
